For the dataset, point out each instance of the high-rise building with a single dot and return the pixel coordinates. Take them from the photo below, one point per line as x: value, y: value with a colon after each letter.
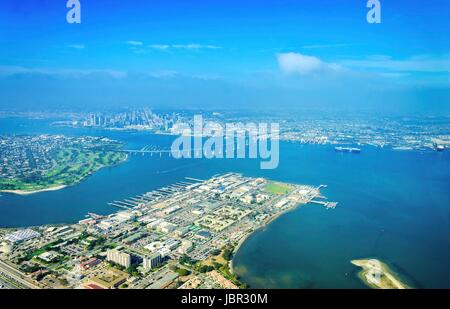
x: 118, y: 257
x: 152, y: 261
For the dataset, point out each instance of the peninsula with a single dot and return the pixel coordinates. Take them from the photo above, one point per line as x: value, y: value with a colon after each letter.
x: 32, y: 164
x: 182, y: 236
x: 377, y: 275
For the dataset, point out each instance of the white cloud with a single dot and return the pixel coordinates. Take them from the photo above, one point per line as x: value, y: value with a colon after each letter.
x: 195, y: 46
x: 296, y: 63
x: 167, y: 74
x: 164, y: 47
x: 206, y: 77
x: 11, y: 71
x: 6, y: 71
x: 138, y: 47
x: 320, y: 46
x: 135, y: 43
x: 164, y: 74
x: 183, y: 46
x: 159, y: 46
x: 418, y: 63
x: 77, y: 46
x: 381, y: 65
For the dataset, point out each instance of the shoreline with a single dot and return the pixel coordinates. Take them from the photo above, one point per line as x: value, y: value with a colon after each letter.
x: 370, y: 267
x: 25, y: 193
x: 246, y: 236
x: 59, y: 187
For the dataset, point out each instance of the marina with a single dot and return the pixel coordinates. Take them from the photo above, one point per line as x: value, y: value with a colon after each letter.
x: 145, y: 199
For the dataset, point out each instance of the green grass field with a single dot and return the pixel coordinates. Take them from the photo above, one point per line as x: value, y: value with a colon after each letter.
x: 277, y: 188
x: 71, y: 166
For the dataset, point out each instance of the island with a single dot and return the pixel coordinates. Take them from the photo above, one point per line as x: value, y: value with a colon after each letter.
x: 181, y: 236
x: 377, y: 275
x: 32, y: 164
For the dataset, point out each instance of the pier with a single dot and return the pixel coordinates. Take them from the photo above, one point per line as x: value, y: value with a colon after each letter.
x: 94, y: 216
x: 195, y: 179
x: 120, y: 204
x: 143, y: 200
x: 328, y: 205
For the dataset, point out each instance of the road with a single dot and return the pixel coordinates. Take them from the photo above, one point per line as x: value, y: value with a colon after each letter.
x: 7, y: 283
x: 18, y: 278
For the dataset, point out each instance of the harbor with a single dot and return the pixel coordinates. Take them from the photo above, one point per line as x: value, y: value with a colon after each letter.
x: 139, y: 201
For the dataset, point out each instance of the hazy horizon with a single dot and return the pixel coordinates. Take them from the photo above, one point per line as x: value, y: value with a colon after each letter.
x: 296, y: 55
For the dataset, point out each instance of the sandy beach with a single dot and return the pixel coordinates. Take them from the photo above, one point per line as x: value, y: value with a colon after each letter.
x: 376, y: 274
x: 23, y: 192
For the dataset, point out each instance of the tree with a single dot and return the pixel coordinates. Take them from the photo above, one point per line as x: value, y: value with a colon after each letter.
x: 227, y: 254
x: 183, y: 272
x: 132, y: 270
x: 186, y: 260
x: 215, y: 252
x: 205, y: 268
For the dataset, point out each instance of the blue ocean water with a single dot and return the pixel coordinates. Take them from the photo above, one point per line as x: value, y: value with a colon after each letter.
x: 393, y: 205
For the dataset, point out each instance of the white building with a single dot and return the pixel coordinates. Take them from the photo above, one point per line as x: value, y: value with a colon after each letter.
x: 171, y: 244
x: 118, y: 257
x: 21, y: 235
x: 186, y: 247
x: 247, y: 199
x: 152, y: 261
x: 166, y: 227
x: 125, y: 215
x: 153, y: 224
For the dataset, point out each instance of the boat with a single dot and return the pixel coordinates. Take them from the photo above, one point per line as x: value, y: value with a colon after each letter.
x: 347, y: 149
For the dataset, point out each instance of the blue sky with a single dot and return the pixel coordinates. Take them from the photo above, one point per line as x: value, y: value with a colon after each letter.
x: 226, y: 54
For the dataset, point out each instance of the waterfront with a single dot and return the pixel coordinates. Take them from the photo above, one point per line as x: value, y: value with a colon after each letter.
x: 392, y: 205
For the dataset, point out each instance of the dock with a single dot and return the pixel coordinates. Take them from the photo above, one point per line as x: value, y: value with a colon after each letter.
x: 328, y: 205
x: 145, y: 199
x: 116, y: 204
x: 94, y: 216
x: 195, y: 179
